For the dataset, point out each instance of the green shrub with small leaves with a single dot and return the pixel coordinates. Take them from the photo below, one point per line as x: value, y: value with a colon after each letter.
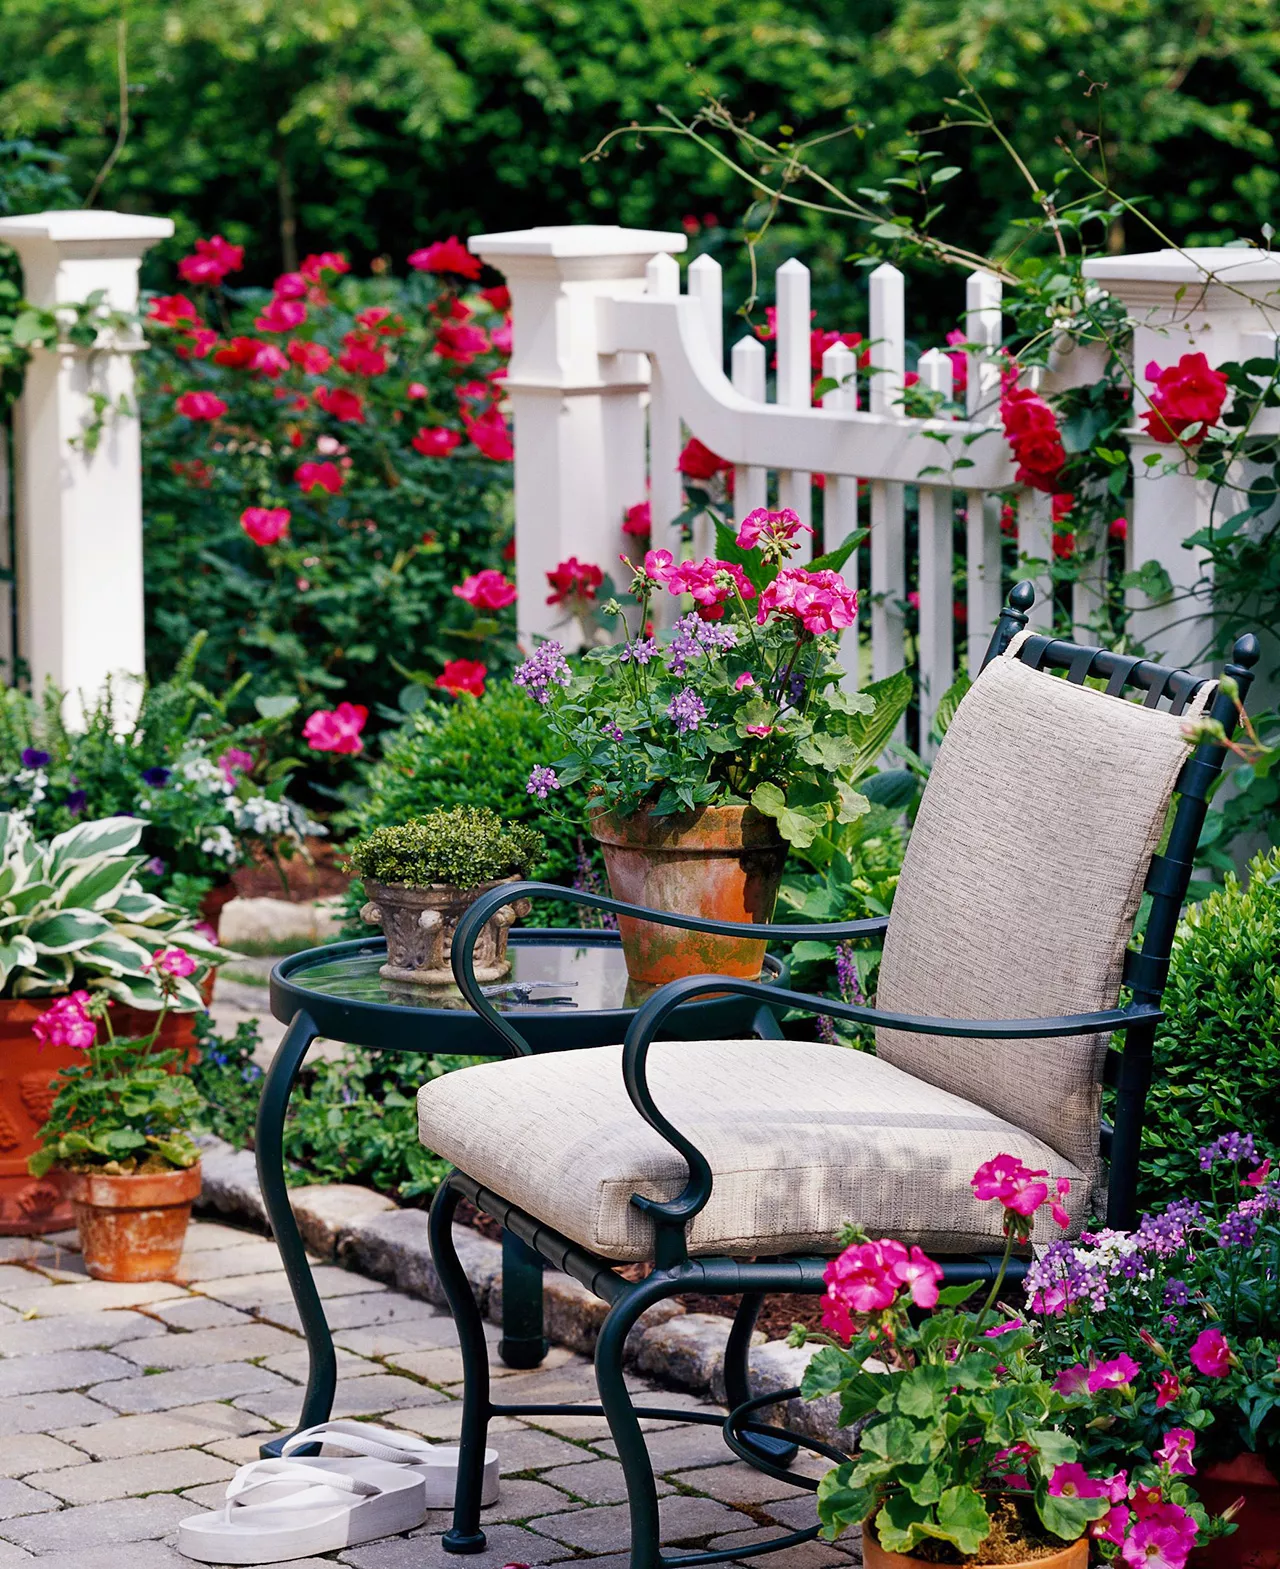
x: 464, y: 847
x: 1218, y: 1049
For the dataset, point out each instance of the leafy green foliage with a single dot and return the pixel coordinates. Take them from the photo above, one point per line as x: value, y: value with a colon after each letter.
x: 1218, y: 1050
x: 464, y: 846
x: 74, y: 916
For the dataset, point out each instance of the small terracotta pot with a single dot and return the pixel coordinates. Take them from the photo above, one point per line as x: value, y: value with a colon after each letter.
x: 133, y: 1227
x: 1255, y: 1543
x: 419, y: 924
x: 874, y: 1557
x: 723, y: 863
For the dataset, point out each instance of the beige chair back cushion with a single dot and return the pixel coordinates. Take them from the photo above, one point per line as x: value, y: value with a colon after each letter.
x: 1019, y: 889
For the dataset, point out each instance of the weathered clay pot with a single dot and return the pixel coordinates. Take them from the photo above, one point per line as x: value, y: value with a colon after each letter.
x: 1255, y: 1543
x: 419, y: 924
x: 723, y: 863
x: 133, y: 1227
x: 28, y: 1205
x: 874, y: 1557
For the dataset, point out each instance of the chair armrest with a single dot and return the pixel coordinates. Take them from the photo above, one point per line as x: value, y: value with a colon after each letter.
x: 671, y: 1216
x: 483, y: 909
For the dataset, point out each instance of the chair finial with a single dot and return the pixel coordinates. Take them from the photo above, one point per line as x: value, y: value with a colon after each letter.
x: 1247, y: 651
x: 1022, y: 596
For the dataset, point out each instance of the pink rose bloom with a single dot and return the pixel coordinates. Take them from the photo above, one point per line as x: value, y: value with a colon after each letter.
x: 319, y: 476
x: 212, y: 261
x: 362, y: 354
x: 265, y: 525
x: 491, y: 433
x: 1004, y: 1177
x: 821, y: 601
x: 460, y: 343
x: 1167, y: 1389
x: 1210, y: 1354
x: 638, y: 520
x: 1073, y: 1481
x: 416, y: 389
x: 280, y: 315
x: 312, y: 358
x: 327, y: 261
x: 66, y: 1023
x: 435, y: 441
x: 487, y: 590
x: 336, y: 730
x: 174, y: 961
x: 1073, y: 1380
x: 1116, y: 1374
x: 1176, y: 1451
x: 449, y: 255
x: 270, y: 361
x: 201, y: 405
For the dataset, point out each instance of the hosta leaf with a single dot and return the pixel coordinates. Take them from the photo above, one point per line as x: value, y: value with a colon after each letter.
x: 137, y: 991
x: 67, y: 930
x: 99, y: 885
x: 116, y: 954
x: 17, y: 953
x: 25, y: 900
x: 86, y: 841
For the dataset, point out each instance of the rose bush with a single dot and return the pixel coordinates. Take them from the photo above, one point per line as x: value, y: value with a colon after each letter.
x: 327, y: 480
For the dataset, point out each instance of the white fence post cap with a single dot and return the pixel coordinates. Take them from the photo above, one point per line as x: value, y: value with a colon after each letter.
x: 578, y: 240
x: 1226, y: 264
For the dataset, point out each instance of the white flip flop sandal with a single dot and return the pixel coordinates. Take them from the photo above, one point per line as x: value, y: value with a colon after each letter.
x: 282, y: 1509
x: 437, y: 1464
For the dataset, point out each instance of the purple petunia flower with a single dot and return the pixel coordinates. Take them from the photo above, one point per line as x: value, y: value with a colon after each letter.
x: 156, y: 776
x: 33, y: 757
x: 76, y: 802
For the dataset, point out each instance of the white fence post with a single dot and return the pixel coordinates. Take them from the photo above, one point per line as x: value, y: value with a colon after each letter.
x: 984, y: 326
x: 579, y: 414
x: 750, y: 484
x: 937, y: 595
x: 840, y: 512
x: 1206, y: 299
x: 78, y: 514
x: 888, y: 502
x: 791, y: 282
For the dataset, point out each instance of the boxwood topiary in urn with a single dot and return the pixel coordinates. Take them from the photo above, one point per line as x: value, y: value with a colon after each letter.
x: 421, y: 875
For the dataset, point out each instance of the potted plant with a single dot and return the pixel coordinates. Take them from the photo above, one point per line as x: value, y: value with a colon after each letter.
x: 74, y: 918
x: 1191, y: 1302
x: 117, y: 1131
x: 966, y: 1450
x: 421, y: 875
x: 713, y: 747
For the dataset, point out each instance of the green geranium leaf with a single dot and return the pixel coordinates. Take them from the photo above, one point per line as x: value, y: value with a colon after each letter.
x: 1068, y: 1517
x: 903, y: 1524
x: 963, y: 1519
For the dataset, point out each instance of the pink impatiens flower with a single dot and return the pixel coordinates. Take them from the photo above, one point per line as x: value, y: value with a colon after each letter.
x: 487, y: 590
x: 66, y: 1023
x: 265, y: 525
x: 1118, y: 1373
x: 201, y: 405
x: 336, y: 730
x: 1210, y: 1354
x: 1176, y: 1451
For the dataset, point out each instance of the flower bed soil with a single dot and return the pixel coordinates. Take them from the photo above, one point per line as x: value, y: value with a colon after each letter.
x: 304, y: 880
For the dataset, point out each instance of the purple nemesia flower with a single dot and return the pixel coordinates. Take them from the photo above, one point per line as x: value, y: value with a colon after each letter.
x: 1176, y: 1294
x: 540, y: 781
x: 546, y: 667
x: 1232, y: 1146
x: 33, y: 757
x: 155, y: 866
x: 687, y: 710
x: 613, y: 731
x: 640, y: 652
x: 693, y: 636
x: 76, y: 802
x: 1237, y: 1231
x: 156, y: 776
x: 1170, y: 1321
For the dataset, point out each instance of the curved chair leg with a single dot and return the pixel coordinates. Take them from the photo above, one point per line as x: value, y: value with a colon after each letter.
x: 624, y: 1425
x: 465, y: 1536
x: 737, y: 1380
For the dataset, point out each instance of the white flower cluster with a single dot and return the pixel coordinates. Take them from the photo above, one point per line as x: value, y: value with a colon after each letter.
x: 206, y: 775
x: 219, y: 842
x: 35, y: 783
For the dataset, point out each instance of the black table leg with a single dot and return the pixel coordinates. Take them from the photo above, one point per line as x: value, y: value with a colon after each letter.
x: 523, y: 1344
x: 322, y: 1377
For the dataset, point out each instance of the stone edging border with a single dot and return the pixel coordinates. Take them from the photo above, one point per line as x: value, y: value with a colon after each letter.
x: 357, y: 1227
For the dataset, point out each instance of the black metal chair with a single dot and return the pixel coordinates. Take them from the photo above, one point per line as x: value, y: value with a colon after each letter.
x: 573, y: 1154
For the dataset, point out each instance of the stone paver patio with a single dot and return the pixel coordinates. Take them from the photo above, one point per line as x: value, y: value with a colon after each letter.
x: 124, y: 1408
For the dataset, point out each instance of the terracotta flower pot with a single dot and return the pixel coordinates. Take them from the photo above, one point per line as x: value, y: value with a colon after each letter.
x: 133, y: 1227
x: 1255, y: 1543
x: 874, y: 1557
x: 28, y: 1205
x: 419, y: 924
x: 723, y: 863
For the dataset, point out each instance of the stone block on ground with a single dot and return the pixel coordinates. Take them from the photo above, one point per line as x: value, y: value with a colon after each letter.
x: 327, y: 1212
x: 393, y: 1247
x: 279, y: 925
x: 688, y: 1350
x: 163, y: 1472
x: 121, y: 1520
x: 230, y: 1185
x: 505, y: 1544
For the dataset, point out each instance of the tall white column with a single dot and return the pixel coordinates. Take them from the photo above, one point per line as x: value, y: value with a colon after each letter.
x: 78, y: 514
x: 579, y: 414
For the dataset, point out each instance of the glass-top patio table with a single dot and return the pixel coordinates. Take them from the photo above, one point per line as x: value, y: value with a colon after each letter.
x: 567, y: 989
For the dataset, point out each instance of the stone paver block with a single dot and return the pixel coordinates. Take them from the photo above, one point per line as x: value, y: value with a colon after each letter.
x: 163, y: 1472
x: 505, y: 1544
x: 211, y: 1496
x: 606, y: 1530
x: 528, y: 1449
x: 258, y: 1292
x: 295, y: 1364
x: 682, y: 1448
x: 596, y: 1481
x: 242, y: 1342
x: 185, y: 1386
x: 238, y: 1451
x: 368, y: 1396
x: 797, y: 1513
x: 374, y: 1308
x: 22, y: 1498
x: 21, y: 1250
x: 688, y: 1350
x: 808, y: 1555
x: 15, y: 1277
x: 393, y: 1247
x: 27, y: 1452
x: 125, y: 1555
x: 250, y: 1256
x: 734, y: 1484
x: 12, y: 1556
x: 443, y: 1364
x: 48, y: 1413
x: 445, y: 1422
x: 230, y: 1181
x: 329, y: 1211
x: 522, y: 1499
x: 199, y: 1313
x: 32, y: 1375
x: 122, y: 1520
x: 575, y: 1380
x: 74, y: 1332
x: 91, y: 1296
x: 155, y: 1430
x: 205, y: 1234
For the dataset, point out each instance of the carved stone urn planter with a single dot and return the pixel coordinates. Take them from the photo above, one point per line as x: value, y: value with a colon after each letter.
x: 419, y: 924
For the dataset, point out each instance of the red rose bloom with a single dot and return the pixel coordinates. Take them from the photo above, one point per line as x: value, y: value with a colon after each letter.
x: 362, y: 355
x: 212, y: 261
x: 319, y: 476
x: 201, y: 405
x: 173, y: 310
x: 435, y: 442
x: 499, y: 298
x: 462, y: 675
x: 490, y: 432
x: 449, y: 255
x: 699, y: 462
x: 342, y: 403
x: 574, y: 579
x: 313, y: 358
x: 1186, y: 395
x: 1032, y: 434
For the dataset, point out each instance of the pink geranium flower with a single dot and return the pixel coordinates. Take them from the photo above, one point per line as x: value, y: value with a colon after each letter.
x: 487, y: 590
x: 821, y: 601
x: 1055, y: 1209
x: 1210, y: 1354
x: 201, y: 405
x: 173, y: 961
x: 1118, y: 1373
x: 1176, y: 1451
x: 336, y: 730
x: 435, y: 441
x: 710, y: 583
x: 775, y: 529
x: 66, y: 1023
x: 1017, y: 1187
x: 265, y: 525
x: 449, y: 255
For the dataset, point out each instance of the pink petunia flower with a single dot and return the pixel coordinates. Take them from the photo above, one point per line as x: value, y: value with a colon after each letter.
x: 1072, y: 1380
x: 1073, y: 1481
x: 1210, y: 1354
x: 1118, y: 1373
x: 1168, y: 1389
x: 1176, y: 1451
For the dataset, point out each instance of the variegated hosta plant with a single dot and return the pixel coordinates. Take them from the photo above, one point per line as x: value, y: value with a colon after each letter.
x: 73, y: 916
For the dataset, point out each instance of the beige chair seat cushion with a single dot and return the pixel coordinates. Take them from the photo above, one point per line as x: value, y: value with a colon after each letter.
x: 800, y: 1136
